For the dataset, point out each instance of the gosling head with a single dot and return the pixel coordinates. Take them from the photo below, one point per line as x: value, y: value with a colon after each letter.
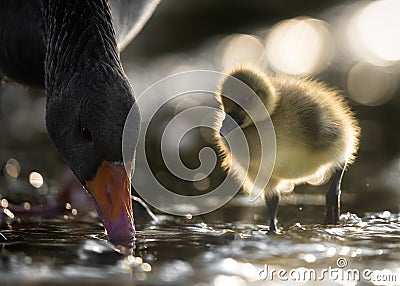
x: 238, y: 95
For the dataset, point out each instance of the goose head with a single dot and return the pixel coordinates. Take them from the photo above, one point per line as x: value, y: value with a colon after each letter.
x: 70, y: 49
x: 86, y: 123
x: 88, y: 100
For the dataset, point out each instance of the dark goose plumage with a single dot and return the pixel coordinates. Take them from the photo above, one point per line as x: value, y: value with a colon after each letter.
x: 71, y: 50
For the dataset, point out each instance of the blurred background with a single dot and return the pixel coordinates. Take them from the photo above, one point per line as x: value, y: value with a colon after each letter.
x: 351, y: 45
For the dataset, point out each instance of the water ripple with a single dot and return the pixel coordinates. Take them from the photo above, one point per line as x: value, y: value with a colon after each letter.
x: 175, y: 251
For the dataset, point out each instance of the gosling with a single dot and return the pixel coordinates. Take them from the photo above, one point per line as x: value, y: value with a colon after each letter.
x: 316, y: 134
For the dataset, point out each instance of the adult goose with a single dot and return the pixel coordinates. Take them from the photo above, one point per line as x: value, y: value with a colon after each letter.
x: 71, y: 50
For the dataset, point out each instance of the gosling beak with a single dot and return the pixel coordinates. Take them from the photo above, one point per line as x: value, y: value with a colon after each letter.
x: 228, y: 124
x: 111, y: 193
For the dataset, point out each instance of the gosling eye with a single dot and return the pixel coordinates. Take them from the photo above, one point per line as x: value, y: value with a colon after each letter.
x: 229, y: 123
x: 238, y: 119
x: 86, y: 134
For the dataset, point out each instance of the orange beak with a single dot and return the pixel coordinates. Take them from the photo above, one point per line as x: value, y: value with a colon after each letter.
x: 111, y: 192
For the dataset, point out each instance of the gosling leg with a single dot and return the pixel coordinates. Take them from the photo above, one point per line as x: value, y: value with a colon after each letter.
x: 272, y: 201
x: 333, y: 199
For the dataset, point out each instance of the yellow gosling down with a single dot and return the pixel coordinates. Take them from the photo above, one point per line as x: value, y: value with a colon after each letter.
x: 316, y: 135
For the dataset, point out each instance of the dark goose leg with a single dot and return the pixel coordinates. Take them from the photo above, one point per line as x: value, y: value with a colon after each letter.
x: 272, y: 202
x: 333, y: 199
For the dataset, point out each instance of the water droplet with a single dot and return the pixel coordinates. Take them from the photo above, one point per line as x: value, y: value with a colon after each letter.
x: 344, y: 250
x: 138, y: 260
x: 11, y: 169
x: 4, y: 203
x: 35, y: 179
x: 8, y: 213
x: 146, y: 267
x: 309, y: 258
x: 27, y: 206
x: 331, y: 251
x: 386, y: 214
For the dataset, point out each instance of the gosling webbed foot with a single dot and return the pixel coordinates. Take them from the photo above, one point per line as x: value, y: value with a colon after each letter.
x: 333, y: 199
x: 272, y: 202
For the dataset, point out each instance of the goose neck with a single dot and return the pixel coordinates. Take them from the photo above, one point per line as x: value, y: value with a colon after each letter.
x: 79, y: 38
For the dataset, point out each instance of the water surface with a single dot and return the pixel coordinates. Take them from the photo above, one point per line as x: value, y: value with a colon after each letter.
x: 190, y: 252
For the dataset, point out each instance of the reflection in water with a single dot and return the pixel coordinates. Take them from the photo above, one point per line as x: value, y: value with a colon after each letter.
x: 176, y: 252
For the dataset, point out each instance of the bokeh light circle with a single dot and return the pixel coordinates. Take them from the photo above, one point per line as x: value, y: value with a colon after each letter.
x: 374, y: 32
x: 300, y: 46
x: 371, y: 85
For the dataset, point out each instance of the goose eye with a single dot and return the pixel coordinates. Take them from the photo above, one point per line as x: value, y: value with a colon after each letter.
x: 86, y: 134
